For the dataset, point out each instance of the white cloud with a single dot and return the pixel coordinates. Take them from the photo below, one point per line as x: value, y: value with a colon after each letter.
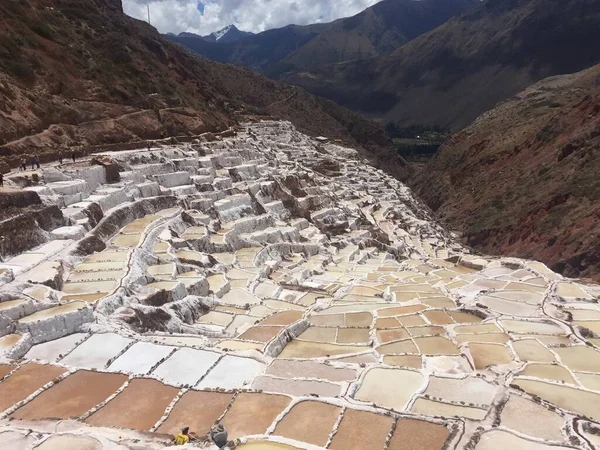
x: 176, y: 16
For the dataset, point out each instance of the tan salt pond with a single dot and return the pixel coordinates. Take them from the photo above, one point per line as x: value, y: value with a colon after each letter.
x: 161, y: 269
x: 580, y: 358
x: 432, y: 408
x: 11, y: 304
x: 523, y: 327
x: 400, y: 310
x: 319, y: 334
x: 391, y: 388
x: 281, y: 305
x: 283, y: 318
x: 532, y: 419
x: 253, y: 413
x: 396, y: 334
x: 240, y: 297
x: 532, y: 350
x: 401, y: 347
x: 331, y: 320
x: 99, y: 266
x: 126, y: 240
x: 216, y: 282
x: 492, y: 338
x: 216, y: 318
x: 55, y: 311
x: 485, y: 355
x: 438, y: 302
x: 497, y: 439
x: 89, y: 287
x: 306, y: 349
x: 509, y: 307
x: 569, y: 290
x: 590, y: 381
x: 224, y: 258
x: 76, y: 277
x: 436, y: 345
x: 579, y: 401
x: 260, y: 334
x: 410, y: 361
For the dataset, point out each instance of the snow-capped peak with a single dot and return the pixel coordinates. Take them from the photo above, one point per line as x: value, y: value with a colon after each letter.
x: 219, y: 34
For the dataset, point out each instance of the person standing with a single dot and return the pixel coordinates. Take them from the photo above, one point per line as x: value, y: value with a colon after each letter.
x: 23, y: 164
x: 37, y: 161
x: 1, y: 180
x: 60, y: 157
x: 33, y: 163
x: 73, y: 155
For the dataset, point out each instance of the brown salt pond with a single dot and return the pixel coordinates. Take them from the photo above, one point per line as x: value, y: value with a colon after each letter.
x: 401, y: 347
x: 72, y: 397
x: 253, y: 413
x: 391, y: 388
x: 283, y: 318
x: 197, y: 409
x: 25, y: 381
x: 310, y: 422
x: 261, y: 334
x: 5, y: 369
x: 9, y: 340
x: 361, y: 430
x: 139, y: 406
x: 409, y: 361
x: 579, y: 401
x: 418, y: 434
x: 485, y: 355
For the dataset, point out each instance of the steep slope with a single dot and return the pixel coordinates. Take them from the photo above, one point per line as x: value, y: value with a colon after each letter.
x: 523, y: 179
x: 79, y: 74
x: 378, y: 30
x: 453, y: 74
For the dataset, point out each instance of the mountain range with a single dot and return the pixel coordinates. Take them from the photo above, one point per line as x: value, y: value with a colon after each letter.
x: 228, y: 34
x: 378, y: 30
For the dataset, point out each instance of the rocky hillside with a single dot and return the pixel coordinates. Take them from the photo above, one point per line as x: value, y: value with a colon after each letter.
x: 79, y: 74
x: 523, y: 179
x: 378, y: 30
x: 463, y: 68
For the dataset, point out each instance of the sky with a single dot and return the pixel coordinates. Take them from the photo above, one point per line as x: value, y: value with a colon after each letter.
x: 205, y: 16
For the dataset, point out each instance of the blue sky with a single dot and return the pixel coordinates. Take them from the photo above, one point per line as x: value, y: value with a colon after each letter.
x: 207, y: 16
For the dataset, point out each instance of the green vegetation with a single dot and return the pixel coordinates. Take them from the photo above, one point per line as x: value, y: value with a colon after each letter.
x: 417, y: 143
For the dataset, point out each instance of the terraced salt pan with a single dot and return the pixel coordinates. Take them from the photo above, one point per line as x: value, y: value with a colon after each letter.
x: 97, y: 351
x: 391, y: 388
x: 140, y: 358
x: 495, y: 439
x: 434, y: 408
x: 577, y: 400
x: 253, y: 413
x: 186, y: 366
x: 310, y: 422
x: 418, y: 434
x: 25, y: 381
x: 232, y: 373
x: 9, y: 341
x: 307, y: 349
x: 141, y: 404
x: 298, y: 388
x: 52, y: 312
x: 72, y: 397
x: 70, y: 442
x: 549, y: 372
x: 485, y: 355
x: 468, y: 390
x: 198, y: 410
x: 580, y: 358
x: 52, y: 350
x: 532, y: 350
x: 309, y: 369
x: 15, y: 440
x: 531, y: 419
x: 359, y: 429
x: 240, y: 297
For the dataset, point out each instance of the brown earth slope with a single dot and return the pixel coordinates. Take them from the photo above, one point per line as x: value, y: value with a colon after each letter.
x: 523, y: 179
x: 463, y: 68
x: 79, y: 73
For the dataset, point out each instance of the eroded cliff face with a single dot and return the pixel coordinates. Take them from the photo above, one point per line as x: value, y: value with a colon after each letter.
x: 523, y: 178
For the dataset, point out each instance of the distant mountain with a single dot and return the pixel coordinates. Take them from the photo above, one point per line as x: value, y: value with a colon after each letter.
x: 522, y: 180
x: 467, y: 65
x: 377, y: 30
